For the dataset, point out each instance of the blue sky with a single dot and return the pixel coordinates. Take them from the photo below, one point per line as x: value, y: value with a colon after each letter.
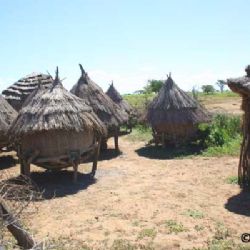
x: 126, y: 41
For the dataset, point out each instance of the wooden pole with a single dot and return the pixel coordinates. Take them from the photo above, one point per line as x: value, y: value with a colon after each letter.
x: 116, y: 140
x: 24, y: 240
x: 96, y: 156
x: 75, y: 167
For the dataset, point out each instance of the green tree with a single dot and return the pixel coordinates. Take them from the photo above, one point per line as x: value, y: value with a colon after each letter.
x: 208, y: 89
x: 221, y: 85
x: 153, y: 86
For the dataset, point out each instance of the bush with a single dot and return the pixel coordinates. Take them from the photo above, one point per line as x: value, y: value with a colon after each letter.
x: 221, y: 131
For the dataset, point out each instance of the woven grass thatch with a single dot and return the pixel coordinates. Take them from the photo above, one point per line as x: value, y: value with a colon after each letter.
x: 3, y: 133
x: 242, y: 86
x: 123, y: 104
x: 17, y: 93
x: 7, y: 116
x: 117, y: 98
x: 174, y: 115
x: 56, y: 129
x: 107, y: 111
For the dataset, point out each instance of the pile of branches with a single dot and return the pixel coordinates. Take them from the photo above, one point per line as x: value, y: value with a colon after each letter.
x: 16, y: 194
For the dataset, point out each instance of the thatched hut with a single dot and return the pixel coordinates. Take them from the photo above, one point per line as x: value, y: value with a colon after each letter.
x: 241, y: 86
x: 123, y: 104
x: 107, y: 111
x: 174, y: 115
x: 56, y: 129
x: 7, y: 116
x: 17, y: 93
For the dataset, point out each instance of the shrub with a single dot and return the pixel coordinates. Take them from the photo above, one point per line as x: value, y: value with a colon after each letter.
x: 222, y: 130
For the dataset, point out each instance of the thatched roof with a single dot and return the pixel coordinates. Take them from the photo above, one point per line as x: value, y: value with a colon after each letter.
x: 6, y: 111
x: 241, y: 85
x: 55, y: 109
x: 3, y: 128
x: 117, y: 98
x: 7, y: 116
x: 17, y: 93
x: 107, y: 111
x: 173, y: 106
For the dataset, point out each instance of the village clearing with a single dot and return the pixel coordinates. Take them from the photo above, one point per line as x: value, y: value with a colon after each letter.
x: 140, y: 202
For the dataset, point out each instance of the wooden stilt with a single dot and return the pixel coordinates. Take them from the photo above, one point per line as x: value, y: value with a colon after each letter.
x: 24, y: 240
x: 24, y: 168
x: 163, y: 140
x: 75, y: 167
x: 96, y: 156
x: 116, y: 140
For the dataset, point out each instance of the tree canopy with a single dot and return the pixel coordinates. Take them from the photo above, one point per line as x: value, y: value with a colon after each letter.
x: 153, y: 86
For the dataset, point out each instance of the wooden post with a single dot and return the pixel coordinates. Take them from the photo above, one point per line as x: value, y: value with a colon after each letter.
x: 24, y: 240
x: 96, y: 156
x: 21, y: 166
x: 75, y: 167
x: 163, y: 140
x: 116, y: 136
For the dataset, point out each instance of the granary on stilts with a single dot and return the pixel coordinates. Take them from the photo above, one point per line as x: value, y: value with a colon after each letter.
x: 17, y: 93
x: 174, y: 115
x: 241, y: 86
x: 123, y: 104
x: 7, y: 116
x: 107, y: 111
x: 56, y: 129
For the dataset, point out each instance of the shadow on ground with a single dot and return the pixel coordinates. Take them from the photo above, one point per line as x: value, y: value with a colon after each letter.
x: 55, y: 184
x: 161, y: 153
x: 107, y: 154
x: 7, y: 161
x: 240, y: 203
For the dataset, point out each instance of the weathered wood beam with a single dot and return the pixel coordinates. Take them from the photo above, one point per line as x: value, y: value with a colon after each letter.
x: 22, y: 237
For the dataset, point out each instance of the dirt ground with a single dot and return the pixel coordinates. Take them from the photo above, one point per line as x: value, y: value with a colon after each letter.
x: 138, y: 202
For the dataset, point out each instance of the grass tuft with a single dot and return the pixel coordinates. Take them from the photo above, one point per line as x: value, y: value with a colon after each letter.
x: 196, y: 214
x: 175, y: 227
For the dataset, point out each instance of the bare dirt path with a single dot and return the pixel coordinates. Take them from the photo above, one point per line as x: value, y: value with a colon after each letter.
x: 144, y: 203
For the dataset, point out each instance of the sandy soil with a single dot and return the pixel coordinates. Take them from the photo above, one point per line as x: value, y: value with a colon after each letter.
x: 134, y: 198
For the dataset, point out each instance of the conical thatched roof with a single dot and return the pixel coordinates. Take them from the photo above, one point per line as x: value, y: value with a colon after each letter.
x: 3, y: 130
x: 117, y: 98
x: 55, y: 109
x: 173, y: 106
x: 241, y: 85
x: 7, y: 112
x: 107, y: 111
x: 17, y: 93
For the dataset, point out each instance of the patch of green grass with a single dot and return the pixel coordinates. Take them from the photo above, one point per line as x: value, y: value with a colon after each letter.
x: 221, y: 232
x: 231, y: 148
x: 140, y: 133
x: 175, y: 227
x: 221, y: 245
x: 139, y: 101
x: 147, y: 232
x: 196, y: 214
x: 232, y: 180
x: 122, y: 244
